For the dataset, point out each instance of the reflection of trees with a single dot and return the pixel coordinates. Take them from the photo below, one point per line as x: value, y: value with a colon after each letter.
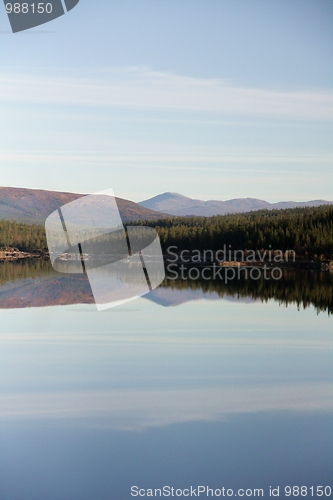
x: 303, y: 288
x: 300, y: 287
x: 24, y: 269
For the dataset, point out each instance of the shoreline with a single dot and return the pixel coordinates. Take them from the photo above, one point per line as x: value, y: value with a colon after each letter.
x: 298, y: 263
x: 11, y: 255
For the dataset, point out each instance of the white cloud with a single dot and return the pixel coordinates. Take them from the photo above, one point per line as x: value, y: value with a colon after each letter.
x: 141, y: 88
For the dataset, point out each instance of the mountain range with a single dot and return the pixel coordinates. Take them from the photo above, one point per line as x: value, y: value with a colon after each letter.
x: 35, y: 205
x: 177, y: 204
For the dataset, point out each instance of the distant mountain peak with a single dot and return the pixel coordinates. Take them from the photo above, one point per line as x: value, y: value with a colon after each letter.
x: 178, y: 204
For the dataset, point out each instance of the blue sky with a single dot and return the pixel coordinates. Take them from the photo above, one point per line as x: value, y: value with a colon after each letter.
x: 214, y: 99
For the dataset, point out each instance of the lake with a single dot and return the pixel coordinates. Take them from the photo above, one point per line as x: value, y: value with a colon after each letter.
x: 205, y: 387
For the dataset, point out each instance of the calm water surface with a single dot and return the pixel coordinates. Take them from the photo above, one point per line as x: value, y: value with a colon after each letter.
x: 195, y: 384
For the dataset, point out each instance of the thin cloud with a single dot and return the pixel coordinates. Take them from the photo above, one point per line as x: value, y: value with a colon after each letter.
x: 164, y: 158
x: 141, y: 88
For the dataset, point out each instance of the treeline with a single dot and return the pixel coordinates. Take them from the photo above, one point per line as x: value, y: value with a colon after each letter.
x: 308, y: 231
x: 24, y: 237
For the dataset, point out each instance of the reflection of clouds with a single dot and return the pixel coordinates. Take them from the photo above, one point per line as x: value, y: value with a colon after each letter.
x: 185, y: 337
x: 134, y: 410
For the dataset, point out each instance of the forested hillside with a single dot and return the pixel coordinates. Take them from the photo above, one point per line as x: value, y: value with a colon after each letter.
x: 308, y: 231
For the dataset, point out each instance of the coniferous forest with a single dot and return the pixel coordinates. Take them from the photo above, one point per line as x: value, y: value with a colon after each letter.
x: 24, y: 237
x: 308, y: 231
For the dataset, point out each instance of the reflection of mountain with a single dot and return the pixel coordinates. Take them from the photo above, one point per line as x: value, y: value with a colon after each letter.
x: 177, y: 204
x: 46, y: 291
x: 36, y: 284
x: 169, y: 297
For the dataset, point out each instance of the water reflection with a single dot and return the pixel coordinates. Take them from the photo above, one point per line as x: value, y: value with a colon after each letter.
x: 35, y: 284
x: 212, y: 392
x: 140, y: 409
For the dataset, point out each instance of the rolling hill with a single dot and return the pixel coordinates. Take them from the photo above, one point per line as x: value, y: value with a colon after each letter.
x: 33, y: 206
x: 177, y: 204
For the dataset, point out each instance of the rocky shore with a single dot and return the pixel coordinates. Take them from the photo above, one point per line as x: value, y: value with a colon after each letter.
x: 10, y: 254
x: 13, y: 254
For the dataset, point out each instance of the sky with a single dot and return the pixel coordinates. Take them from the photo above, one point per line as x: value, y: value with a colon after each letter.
x: 213, y: 99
